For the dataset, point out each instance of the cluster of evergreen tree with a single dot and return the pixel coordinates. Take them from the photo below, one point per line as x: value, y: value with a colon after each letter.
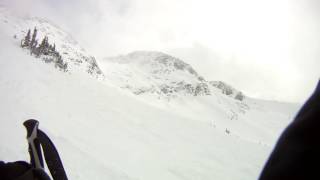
x: 45, y: 50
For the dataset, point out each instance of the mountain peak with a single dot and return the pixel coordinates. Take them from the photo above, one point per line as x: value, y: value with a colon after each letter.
x: 154, y: 72
x: 147, y: 53
x: 156, y: 61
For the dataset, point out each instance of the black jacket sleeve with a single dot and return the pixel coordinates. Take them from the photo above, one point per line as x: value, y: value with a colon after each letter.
x: 297, y: 152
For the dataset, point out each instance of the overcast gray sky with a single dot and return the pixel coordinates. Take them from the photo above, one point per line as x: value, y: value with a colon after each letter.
x: 267, y: 48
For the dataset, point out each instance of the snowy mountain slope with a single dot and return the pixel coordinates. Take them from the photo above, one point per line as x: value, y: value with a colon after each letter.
x: 154, y: 73
x: 161, y: 75
x: 70, y: 50
x: 103, y: 132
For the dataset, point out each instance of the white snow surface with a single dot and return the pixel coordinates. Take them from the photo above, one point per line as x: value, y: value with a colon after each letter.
x: 104, y: 132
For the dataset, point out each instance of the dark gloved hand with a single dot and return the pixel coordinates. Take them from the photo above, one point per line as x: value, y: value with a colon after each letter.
x: 21, y: 170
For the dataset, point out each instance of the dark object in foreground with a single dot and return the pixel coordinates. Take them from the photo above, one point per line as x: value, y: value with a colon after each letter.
x: 297, y: 153
x: 21, y: 170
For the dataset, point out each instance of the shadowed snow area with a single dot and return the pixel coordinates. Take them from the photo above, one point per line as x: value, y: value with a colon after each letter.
x: 104, y: 131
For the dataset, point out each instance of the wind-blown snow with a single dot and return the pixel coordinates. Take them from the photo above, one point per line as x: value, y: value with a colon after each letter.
x: 105, y: 132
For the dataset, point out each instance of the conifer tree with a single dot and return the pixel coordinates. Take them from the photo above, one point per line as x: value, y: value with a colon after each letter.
x: 43, y: 48
x: 34, y: 36
x: 43, y: 45
x: 26, y: 41
x: 65, y: 67
x: 46, y: 46
x: 34, y: 48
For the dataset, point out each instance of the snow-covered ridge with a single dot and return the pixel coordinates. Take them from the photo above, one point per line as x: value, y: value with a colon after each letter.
x: 157, y: 73
x: 70, y: 50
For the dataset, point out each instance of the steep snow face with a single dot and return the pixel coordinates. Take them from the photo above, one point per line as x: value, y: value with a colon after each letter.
x: 70, y: 50
x: 154, y: 73
x: 102, y: 132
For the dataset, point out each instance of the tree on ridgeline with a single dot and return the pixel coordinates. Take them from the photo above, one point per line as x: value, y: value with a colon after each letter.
x: 26, y: 41
x: 44, y: 48
x: 34, y: 36
x: 60, y: 64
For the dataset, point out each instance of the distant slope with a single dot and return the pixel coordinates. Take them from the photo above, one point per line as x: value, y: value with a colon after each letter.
x: 161, y: 75
x: 154, y: 73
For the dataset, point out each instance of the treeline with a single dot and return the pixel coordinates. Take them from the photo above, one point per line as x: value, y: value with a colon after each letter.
x: 45, y: 50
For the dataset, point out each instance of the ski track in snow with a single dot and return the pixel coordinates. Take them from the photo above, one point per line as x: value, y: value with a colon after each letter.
x: 104, y: 132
